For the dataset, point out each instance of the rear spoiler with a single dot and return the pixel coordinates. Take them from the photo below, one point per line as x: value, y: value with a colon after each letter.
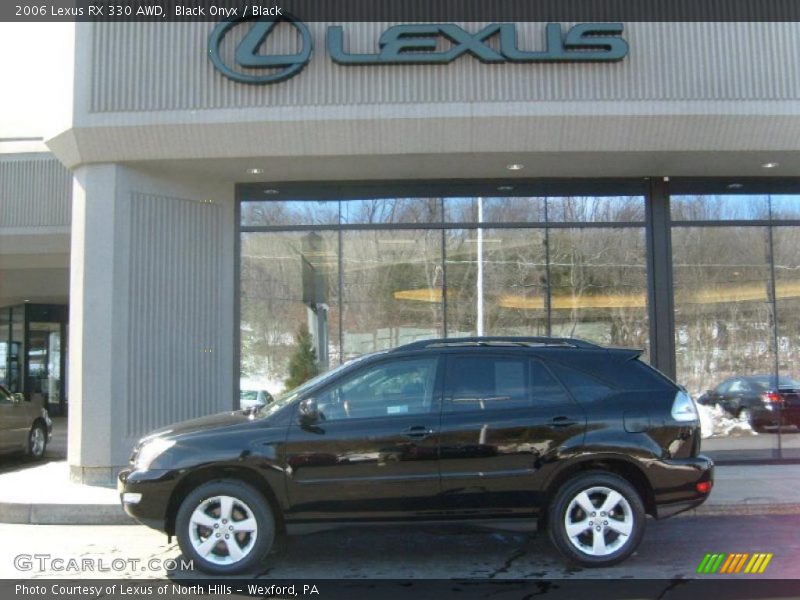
x: 626, y: 354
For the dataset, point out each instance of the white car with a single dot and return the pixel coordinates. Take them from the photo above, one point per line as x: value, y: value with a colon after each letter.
x: 254, y: 398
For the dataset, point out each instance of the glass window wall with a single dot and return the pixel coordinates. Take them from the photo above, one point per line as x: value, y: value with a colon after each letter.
x: 736, y: 297
x: 369, y: 274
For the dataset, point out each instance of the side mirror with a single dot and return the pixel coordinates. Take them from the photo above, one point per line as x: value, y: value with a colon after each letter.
x: 18, y: 398
x: 309, y: 412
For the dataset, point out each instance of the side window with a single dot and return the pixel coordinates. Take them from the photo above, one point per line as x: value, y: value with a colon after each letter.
x: 738, y: 387
x: 544, y: 387
x: 486, y: 383
x: 724, y: 387
x: 581, y: 385
x: 401, y: 387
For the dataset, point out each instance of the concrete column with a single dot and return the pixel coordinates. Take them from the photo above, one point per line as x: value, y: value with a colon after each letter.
x: 151, y: 310
x: 94, y: 344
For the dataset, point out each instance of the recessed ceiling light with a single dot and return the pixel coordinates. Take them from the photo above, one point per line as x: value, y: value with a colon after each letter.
x: 505, y: 188
x: 515, y: 167
x: 271, y: 191
x: 770, y: 165
x: 254, y: 171
x: 26, y: 300
x: 735, y: 186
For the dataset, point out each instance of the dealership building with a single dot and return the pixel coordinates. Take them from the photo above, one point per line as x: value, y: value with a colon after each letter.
x: 222, y: 186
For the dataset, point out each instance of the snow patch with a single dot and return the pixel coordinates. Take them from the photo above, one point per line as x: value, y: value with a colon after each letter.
x: 715, y: 422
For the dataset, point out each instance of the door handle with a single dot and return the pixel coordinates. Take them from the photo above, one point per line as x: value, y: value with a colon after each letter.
x: 418, y: 432
x: 562, y: 422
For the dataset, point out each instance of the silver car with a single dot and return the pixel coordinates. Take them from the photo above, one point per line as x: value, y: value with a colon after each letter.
x: 24, y: 426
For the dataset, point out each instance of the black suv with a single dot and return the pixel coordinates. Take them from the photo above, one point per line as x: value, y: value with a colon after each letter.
x: 557, y: 432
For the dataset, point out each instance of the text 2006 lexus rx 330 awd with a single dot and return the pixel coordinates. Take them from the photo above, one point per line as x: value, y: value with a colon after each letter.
x: 560, y: 433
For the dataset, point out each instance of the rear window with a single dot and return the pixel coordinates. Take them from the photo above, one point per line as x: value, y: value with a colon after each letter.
x: 764, y: 384
x: 615, y: 368
x: 581, y: 385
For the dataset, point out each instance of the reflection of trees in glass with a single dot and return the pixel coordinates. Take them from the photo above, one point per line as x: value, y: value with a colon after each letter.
x: 599, y: 285
x: 392, y: 290
x: 291, y: 212
x: 787, y: 292
x: 392, y: 280
x: 392, y: 210
x: 595, y: 209
x: 581, y: 209
x: 719, y: 207
x: 514, y: 281
x: 723, y: 312
x: 303, y: 364
x: 272, y: 306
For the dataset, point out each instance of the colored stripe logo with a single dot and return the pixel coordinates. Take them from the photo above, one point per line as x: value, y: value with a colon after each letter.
x: 730, y: 564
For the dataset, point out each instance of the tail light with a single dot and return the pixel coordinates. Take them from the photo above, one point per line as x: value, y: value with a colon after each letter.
x: 704, y: 486
x: 771, y: 398
x: 683, y: 408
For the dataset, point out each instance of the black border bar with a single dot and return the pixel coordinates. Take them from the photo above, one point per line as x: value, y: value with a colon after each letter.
x: 730, y: 588
x: 408, y: 11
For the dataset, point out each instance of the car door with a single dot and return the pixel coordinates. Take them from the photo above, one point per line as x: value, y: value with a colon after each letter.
x: 503, y: 415
x: 734, y: 397
x: 14, y: 423
x: 721, y: 396
x: 375, y: 453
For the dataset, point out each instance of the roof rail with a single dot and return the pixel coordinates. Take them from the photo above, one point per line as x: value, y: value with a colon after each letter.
x: 529, y: 342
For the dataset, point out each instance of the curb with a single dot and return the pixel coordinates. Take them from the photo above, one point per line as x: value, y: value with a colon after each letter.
x: 64, y: 514
x: 740, y: 508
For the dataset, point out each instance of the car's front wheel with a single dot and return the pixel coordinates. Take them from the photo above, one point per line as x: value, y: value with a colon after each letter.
x: 225, y: 527
x: 596, y: 519
x: 37, y: 441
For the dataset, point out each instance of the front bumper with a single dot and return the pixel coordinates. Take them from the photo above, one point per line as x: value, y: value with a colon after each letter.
x: 675, y: 484
x: 145, y: 495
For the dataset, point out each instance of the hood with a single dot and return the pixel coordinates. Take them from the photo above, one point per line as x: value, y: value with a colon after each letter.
x: 216, y: 421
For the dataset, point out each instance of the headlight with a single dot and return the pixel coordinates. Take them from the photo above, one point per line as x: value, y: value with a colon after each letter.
x: 150, y: 451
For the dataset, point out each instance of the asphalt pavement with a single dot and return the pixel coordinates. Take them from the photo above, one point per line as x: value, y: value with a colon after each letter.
x: 672, y: 549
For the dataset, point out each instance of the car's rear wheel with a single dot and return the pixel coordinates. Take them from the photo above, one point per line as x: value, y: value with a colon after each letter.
x: 37, y: 441
x: 596, y: 519
x: 225, y: 527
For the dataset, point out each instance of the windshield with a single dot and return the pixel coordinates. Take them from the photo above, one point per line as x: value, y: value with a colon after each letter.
x: 289, y: 396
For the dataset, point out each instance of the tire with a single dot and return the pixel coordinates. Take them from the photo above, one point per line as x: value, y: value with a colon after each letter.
x: 222, y: 504
x: 613, y: 543
x: 37, y: 441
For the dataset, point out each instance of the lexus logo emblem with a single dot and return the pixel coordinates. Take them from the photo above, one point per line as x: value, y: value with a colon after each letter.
x: 249, y: 61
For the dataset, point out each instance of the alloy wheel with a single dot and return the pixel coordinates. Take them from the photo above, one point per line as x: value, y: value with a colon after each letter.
x: 223, y: 529
x: 37, y: 442
x: 598, y: 521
